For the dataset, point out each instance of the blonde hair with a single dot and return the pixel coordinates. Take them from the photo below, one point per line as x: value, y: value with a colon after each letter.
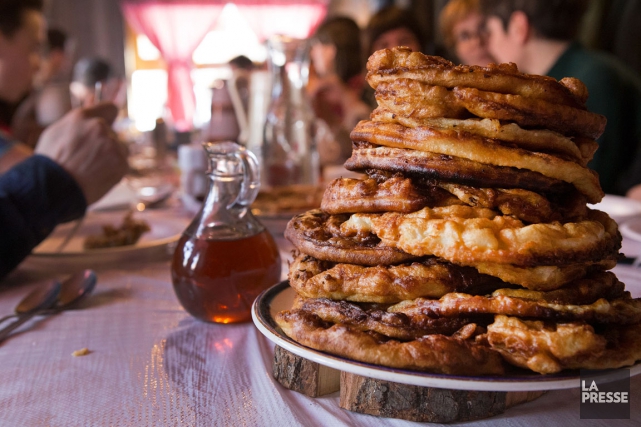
x: 454, y: 12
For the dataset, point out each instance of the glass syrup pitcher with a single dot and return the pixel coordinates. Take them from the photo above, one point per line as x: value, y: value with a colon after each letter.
x: 225, y: 258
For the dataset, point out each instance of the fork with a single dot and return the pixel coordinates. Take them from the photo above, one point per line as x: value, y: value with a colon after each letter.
x: 70, y: 234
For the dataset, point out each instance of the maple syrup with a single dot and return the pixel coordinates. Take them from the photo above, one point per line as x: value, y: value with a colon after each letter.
x: 218, y: 280
x: 225, y: 258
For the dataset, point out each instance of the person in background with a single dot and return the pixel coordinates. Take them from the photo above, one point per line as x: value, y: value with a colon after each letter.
x: 241, y: 62
x: 50, y: 98
x: 241, y: 67
x: 77, y: 160
x: 463, y: 30
x: 94, y: 81
x: 391, y: 26
x: 335, y: 84
x: 538, y: 35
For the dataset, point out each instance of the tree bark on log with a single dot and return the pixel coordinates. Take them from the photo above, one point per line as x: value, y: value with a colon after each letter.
x: 304, y: 376
x: 424, y: 404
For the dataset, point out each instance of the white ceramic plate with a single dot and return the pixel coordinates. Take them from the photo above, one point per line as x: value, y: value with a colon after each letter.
x: 281, y: 296
x: 156, y: 244
x: 631, y: 229
x: 619, y: 208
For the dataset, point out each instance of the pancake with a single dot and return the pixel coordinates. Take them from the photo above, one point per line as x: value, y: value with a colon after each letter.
x: 580, y: 150
x: 451, y: 169
x: 402, y: 194
x: 464, y: 235
x: 544, y: 277
x: 531, y: 113
x: 393, y: 325
x: 428, y: 278
x: 396, y: 194
x: 478, y: 149
x: 548, y: 348
x: 568, y: 303
x: 318, y: 234
x: 525, y: 205
x: 432, y: 353
x: 400, y: 62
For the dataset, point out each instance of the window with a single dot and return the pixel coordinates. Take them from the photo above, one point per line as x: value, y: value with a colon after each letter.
x: 232, y: 36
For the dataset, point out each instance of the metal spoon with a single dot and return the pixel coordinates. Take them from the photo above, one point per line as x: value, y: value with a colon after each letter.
x: 74, y: 289
x: 40, y: 299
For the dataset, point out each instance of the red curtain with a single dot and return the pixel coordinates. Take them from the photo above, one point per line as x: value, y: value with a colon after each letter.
x: 294, y: 18
x: 175, y: 28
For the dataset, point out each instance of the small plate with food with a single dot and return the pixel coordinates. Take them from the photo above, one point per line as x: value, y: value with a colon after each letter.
x: 106, y: 239
x: 274, y: 207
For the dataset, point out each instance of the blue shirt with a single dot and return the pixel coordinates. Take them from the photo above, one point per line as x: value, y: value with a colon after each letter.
x: 35, y: 196
x: 5, y: 143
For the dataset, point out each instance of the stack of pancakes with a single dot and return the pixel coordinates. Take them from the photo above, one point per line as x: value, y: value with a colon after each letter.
x: 469, y: 247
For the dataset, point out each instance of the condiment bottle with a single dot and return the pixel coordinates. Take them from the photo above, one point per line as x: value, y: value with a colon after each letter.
x: 225, y: 258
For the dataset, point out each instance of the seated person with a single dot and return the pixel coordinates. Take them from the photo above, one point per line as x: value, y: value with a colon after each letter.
x: 463, y: 30
x: 393, y: 26
x: 335, y: 84
x: 390, y: 27
x: 539, y: 37
x: 50, y: 98
x: 78, y: 159
x: 94, y: 81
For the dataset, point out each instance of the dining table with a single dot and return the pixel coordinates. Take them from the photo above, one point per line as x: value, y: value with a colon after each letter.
x: 150, y: 363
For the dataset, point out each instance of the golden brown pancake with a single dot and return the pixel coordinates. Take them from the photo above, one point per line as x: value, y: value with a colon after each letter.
x: 432, y: 353
x: 402, y: 194
x: 400, y: 62
x: 393, y: 325
x: 544, y: 277
x: 478, y: 149
x: 413, y: 99
x: 318, y: 234
x: 451, y: 169
x: 548, y: 348
x: 555, y: 305
x: 464, y: 235
x: 428, y: 278
x: 396, y: 194
x: 580, y: 150
x: 525, y: 205
x: 531, y: 113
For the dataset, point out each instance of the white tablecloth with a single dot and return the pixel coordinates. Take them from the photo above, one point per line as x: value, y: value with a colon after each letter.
x: 151, y: 364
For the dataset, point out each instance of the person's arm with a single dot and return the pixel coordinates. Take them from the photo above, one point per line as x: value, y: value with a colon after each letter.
x: 35, y: 196
x: 11, y: 154
x: 79, y: 159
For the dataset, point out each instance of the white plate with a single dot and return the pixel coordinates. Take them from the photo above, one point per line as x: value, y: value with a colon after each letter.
x: 619, y: 208
x: 156, y: 244
x: 631, y: 229
x: 280, y: 297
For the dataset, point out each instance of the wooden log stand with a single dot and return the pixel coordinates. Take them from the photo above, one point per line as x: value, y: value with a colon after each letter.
x: 392, y: 400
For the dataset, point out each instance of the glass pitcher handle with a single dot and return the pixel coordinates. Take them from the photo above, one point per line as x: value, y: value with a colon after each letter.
x: 251, y: 179
x: 237, y: 103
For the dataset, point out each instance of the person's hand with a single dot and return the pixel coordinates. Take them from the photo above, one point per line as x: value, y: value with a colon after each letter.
x: 84, y: 144
x: 635, y: 192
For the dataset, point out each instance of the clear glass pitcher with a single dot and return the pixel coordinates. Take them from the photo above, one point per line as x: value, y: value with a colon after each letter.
x: 225, y: 258
x: 289, y: 153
